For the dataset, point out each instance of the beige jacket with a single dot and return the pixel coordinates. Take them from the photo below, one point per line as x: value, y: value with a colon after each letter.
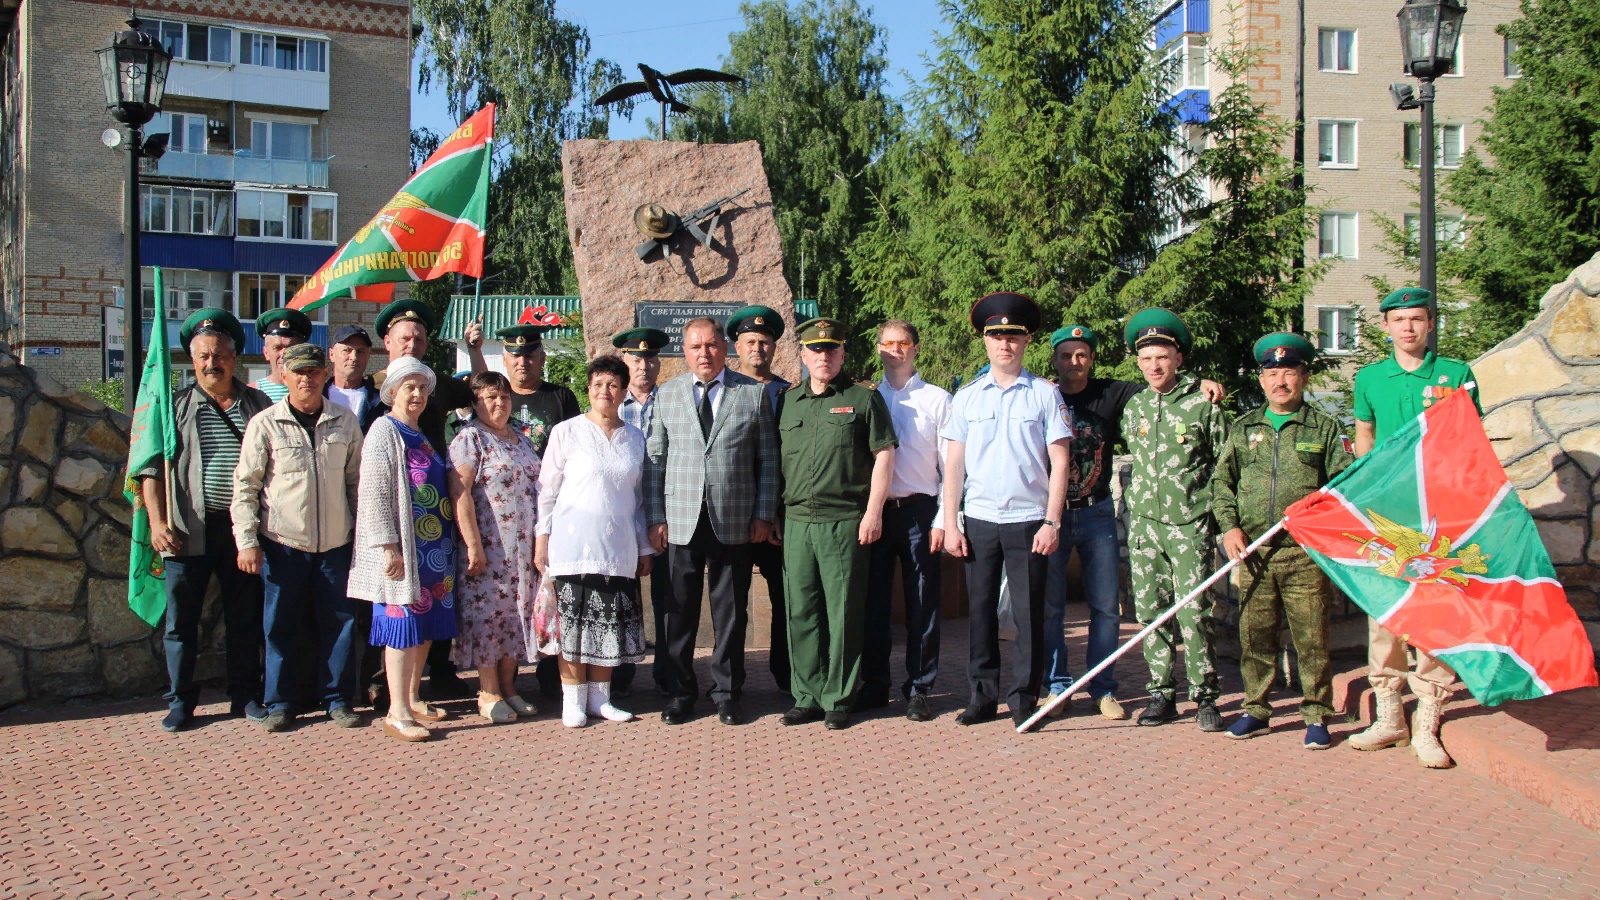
x: 295, y: 492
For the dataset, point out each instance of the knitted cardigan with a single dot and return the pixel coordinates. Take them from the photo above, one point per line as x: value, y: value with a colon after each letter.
x: 383, y: 516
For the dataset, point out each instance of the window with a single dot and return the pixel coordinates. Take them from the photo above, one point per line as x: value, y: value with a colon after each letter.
x: 279, y: 51
x: 1338, y: 236
x: 279, y: 215
x: 1447, y: 230
x: 180, y: 210
x: 1336, y: 50
x: 1512, y: 69
x: 188, y: 290
x: 187, y: 130
x: 1337, y: 330
x: 1449, y: 141
x: 1336, y: 144
x: 259, y: 292
x: 192, y: 42
x: 1187, y: 57
x: 279, y: 140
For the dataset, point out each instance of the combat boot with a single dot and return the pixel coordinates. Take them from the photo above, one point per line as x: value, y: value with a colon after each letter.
x: 1425, y: 735
x: 1388, y: 728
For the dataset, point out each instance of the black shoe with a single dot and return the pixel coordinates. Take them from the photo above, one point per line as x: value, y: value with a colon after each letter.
x: 729, y: 712
x: 1207, y: 717
x: 255, y: 713
x: 344, y: 717
x: 1160, y: 711
x: 800, y: 715
x: 175, y: 720
x: 237, y: 708
x: 870, y: 698
x: 277, y: 721
x: 836, y: 720
x: 977, y: 714
x: 448, y: 686
x: 678, y: 712
x: 917, y: 708
x: 1020, y: 714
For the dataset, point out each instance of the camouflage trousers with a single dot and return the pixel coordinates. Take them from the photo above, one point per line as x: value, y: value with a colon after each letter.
x: 1275, y: 584
x: 1165, y: 563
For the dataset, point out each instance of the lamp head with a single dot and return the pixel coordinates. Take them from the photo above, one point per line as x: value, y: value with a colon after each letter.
x: 133, y: 71
x: 1429, y: 33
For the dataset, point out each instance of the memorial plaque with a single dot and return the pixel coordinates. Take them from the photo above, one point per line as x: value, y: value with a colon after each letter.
x: 671, y: 317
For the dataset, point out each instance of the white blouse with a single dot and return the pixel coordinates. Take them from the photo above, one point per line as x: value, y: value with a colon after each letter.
x: 591, y: 500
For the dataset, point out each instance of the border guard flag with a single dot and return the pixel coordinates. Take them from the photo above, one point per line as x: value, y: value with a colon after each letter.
x: 152, y: 441
x: 1427, y: 536
x: 433, y: 226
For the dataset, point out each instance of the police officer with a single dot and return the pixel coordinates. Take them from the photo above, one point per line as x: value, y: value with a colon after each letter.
x: 1175, y: 435
x: 279, y: 329
x: 755, y: 331
x: 838, y: 456
x: 1275, y: 456
x: 1388, y: 395
x: 641, y: 351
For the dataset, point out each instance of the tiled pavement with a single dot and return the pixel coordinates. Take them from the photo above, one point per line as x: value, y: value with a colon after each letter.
x: 98, y: 803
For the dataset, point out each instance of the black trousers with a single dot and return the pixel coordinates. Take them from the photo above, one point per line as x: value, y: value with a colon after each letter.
x: 906, y: 526
x: 769, y: 559
x: 660, y: 590
x: 240, y: 596
x: 727, y: 568
x: 994, y: 548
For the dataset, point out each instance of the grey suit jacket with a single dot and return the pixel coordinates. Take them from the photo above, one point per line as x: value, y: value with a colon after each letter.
x: 734, y: 474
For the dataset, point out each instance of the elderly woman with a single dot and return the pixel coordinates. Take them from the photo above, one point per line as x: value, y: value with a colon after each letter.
x: 404, y: 558
x: 494, y: 483
x: 590, y: 491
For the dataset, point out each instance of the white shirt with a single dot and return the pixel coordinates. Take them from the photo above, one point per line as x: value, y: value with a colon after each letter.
x: 717, y: 389
x: 591, y: 500
x: 919, y: 412
x: 349, y: 399
x: 1007, y: 432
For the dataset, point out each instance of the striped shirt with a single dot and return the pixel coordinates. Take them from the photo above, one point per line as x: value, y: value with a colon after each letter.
x: 219, y: 453
x: 272, y: 389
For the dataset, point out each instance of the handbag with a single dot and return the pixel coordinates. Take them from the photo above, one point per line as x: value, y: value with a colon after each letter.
x: 547, y: 619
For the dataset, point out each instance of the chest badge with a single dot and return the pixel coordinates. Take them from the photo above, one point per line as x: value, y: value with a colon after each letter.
x: 1144, y: 426
x: 842, y: 410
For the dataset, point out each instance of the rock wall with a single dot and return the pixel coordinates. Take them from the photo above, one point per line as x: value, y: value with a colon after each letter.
x: 1540, y: 391
x: 65, y: 628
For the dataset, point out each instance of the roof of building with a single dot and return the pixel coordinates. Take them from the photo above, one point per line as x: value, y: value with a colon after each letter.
x: 503, y: 311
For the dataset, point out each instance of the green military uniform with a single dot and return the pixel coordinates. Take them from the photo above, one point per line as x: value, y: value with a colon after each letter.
x: 1268, y: 463
x: 829, y: 441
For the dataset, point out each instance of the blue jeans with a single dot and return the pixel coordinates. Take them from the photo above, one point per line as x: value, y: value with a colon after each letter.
x: 240, y: 598
x: 292, y: 578
x: 1093, y: 531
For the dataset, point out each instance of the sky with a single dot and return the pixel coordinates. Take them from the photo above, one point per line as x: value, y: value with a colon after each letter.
x: 673, y: 36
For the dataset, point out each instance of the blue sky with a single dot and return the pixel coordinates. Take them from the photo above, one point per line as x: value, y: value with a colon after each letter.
x: 672, y: 36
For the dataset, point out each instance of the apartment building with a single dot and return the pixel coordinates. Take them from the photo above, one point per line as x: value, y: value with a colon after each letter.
x: 289, y: 126
x: 1336, y: 60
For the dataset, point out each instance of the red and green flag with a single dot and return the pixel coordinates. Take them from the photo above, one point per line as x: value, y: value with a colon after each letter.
x: 1427, y: 536
x: 152, y: 441
x: 432, y: 227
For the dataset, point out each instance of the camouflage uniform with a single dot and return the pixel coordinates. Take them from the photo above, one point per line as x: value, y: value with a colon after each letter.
x: 1175, y: 439
x: 1262, y: 471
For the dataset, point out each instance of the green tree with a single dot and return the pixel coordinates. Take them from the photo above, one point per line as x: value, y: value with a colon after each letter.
x: 1532, y: 203
x: 815, y: 99
x: 1037, y: 162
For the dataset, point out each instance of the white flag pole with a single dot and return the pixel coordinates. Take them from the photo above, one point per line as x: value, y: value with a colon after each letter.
x: 1083, y: 680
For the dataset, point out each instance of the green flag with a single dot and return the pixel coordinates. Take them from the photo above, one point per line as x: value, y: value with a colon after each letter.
x: 152, y: 442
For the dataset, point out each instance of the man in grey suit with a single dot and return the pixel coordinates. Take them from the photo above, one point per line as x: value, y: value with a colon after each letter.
x: 711, y: 489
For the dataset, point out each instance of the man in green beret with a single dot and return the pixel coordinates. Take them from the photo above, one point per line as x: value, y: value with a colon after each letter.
x: 838, y: 457
x: 536, y: 405
x: 1387, y: 395
x: 190, y: 524
x: 1175, y: 435
x: 279, y: 330
x: 1275, y: 456
x: 641, y: 350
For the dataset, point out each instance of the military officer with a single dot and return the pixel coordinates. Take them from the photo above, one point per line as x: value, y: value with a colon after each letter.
x: 279, y: 329
x: 1388, y: 395
x: 1175, y: 435
x: 1275, y: 456
x: 641, y: 350
x: 838, y: 457
x: 754, y: 332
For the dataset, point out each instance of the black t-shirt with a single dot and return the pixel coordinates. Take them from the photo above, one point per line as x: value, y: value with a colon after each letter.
x: 536, y: 413
x: 451, y: 393
x: 308, y: 421
x: 1096, y: 431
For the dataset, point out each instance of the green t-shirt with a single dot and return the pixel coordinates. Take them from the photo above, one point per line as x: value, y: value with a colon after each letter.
x: 828, y: 442
x: 1388, y: 396
x: 1277, y: 420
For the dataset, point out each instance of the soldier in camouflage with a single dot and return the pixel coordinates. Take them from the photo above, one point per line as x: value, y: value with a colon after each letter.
x: 1175, y: 435
x: 1275, y: 456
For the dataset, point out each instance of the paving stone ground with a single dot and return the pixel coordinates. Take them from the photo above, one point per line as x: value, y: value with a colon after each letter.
x: 100, y: 803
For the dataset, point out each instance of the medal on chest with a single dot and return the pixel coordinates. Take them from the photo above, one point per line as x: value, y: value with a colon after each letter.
x: 1182, y: 431
x: 1144, y: 426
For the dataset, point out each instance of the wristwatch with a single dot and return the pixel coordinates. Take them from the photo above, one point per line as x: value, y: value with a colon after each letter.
x: 1055, y: 525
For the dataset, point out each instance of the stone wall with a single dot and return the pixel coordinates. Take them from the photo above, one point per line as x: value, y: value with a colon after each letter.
x: 1540, y: 391
x: 65, y: 628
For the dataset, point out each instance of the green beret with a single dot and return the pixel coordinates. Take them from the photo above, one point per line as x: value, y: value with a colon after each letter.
x: 1283, y: 349
x: 641, y: 341
x: 304, y: 356
x: 821, y: 334
x: 1156, y: 326
x: 521, y: 340
x: 1075, y: 333
x: 1406, y: 298
x: 764, y: 319
x: 1005, y: 312
x: 284, y: 322
x: 212, y: 319
x: 407, y: 310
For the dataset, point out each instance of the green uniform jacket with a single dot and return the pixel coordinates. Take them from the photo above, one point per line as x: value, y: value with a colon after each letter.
x: 1262, y: 470
x: 827, y: 442
x: 1175, y: 439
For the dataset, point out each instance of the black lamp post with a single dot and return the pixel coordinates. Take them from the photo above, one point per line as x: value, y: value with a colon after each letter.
x: 1429, y: 32
x: 134, y: 69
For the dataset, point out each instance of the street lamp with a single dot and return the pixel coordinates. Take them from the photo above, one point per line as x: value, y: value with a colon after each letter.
x: 134, y: 69
x: 1429, y: 32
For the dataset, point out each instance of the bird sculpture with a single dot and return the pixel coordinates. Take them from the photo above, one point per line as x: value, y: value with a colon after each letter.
x: 659, y: 87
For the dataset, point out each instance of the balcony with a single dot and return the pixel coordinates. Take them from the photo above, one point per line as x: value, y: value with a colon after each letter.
x: 308, y: 173
x: 249, y: 84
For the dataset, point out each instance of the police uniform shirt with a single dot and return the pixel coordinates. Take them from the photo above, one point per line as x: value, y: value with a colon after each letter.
x: 1007, y: 432
x: 1387, y: 396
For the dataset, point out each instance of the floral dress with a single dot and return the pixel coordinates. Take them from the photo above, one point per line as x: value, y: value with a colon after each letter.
x: 432, y: 616
x: 497, y: 605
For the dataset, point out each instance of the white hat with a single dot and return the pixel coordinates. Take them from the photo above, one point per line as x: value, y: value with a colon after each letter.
x: 399, y: 370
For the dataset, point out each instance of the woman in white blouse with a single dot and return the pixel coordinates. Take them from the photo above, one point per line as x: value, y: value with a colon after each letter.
x: 592, y: 543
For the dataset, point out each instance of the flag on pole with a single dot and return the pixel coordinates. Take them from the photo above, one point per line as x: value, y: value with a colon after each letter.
x: 153, y: 441
x: 432, y: 227
x: 1427, y: 536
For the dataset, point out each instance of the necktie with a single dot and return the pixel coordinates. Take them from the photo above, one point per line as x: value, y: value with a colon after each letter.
x: 705, y: 407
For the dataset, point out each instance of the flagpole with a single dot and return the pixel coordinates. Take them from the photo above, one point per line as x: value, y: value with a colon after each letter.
x: 1083, y: 680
